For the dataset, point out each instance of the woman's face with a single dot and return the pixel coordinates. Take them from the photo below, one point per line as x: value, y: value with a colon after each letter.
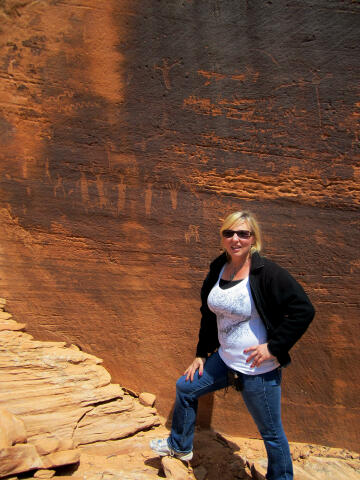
x: 238, y: 246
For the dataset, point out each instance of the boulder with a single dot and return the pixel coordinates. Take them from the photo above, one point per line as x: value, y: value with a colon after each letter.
x: 147, y: 399
x: 174, y: 469
x: 56, y: 397
x: 12, y: 429
x: 19, y: 458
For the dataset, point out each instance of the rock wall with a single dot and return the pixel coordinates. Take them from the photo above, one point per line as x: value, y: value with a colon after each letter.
x: 128, y: 129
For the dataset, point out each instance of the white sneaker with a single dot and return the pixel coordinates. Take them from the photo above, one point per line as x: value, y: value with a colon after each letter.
x: 161, y: 447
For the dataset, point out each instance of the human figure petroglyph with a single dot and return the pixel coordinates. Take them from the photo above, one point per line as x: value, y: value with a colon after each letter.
x: 103, y: 202
x: 148, y: 198
x: 121, y: 188
x: 84, y: 189
x: 174, y: 188
x: 59, y: 186
x: 165, y: 70
x: 192, y: 233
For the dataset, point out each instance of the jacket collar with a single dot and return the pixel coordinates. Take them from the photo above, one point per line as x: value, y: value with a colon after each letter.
x: 257, y: 262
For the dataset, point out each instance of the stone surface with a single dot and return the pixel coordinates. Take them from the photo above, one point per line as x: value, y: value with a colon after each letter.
x: 12, y: 429
x: 18, y: 458
x: 176, y: 470
x: 43, y: 473
x: 55, y: 398
x: 315, y: 462
x: 128, y: 129
x: 147, y: 399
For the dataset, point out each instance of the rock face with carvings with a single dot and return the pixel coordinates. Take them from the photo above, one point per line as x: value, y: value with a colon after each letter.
x: 128, y: 129
x: 54, y: 399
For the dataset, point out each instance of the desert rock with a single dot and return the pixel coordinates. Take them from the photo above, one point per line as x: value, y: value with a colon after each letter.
x: 175, y: 469
x: 55, y: 398
x: 129, y: 129
x: 12, y: 429
x: 147, y: 399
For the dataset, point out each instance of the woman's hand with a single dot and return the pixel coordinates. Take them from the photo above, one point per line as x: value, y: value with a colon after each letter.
x: 259, y: 354
x: 198, y: 363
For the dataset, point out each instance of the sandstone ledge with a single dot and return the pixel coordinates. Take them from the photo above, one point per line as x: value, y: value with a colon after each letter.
x: 55, y: 398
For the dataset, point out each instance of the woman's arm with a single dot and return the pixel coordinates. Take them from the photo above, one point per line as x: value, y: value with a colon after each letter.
x: 296, y: 310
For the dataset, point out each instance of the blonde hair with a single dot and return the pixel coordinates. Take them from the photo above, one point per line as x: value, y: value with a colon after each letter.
x: 252, y: 223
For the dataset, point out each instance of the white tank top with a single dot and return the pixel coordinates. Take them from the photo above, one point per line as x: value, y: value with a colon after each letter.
x: 239, y: 326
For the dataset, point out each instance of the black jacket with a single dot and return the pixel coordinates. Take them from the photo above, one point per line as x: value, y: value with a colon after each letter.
x: 281, y: 302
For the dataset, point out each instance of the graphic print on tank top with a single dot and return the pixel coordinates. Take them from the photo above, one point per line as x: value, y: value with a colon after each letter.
x: 233, y: 312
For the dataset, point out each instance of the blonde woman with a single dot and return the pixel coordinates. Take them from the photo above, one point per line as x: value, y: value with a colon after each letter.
x: 253, y: 312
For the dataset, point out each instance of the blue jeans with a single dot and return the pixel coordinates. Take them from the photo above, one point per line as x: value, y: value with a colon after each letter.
x: 261, y: 394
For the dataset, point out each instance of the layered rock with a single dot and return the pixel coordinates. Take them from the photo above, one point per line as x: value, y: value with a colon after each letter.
x: 129, y: 129
x: 55, y: 398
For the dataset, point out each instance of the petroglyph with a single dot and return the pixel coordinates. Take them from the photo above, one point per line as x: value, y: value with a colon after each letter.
x: 148, y: 198
x: 59, y: 186
x: 174, y: 188
x: 165, y: 70
x: 100, y: 187
x: 192, y: 234
x: 84, y: 189
x: 121, y: 188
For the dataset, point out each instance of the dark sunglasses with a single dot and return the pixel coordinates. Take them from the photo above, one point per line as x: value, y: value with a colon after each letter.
x: 239, y: 233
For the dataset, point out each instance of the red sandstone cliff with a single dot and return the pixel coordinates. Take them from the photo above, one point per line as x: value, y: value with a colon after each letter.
x: 129, y: 129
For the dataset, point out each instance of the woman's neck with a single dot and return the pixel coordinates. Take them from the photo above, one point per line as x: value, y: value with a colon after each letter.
x: 238, y: 269
x: 239, y: 263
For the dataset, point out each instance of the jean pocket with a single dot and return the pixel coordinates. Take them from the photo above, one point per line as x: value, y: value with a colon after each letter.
x: 273, y: 377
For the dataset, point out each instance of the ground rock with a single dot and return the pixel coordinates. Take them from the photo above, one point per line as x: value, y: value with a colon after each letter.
x: 147, y: 399
x: 18, y: 458
x: 200, y: 472
x: 175, y: 469
x: 8, y: 324
x: 322, y: 468
x: 57, y: 397
x: 44, y: 473
x: 52, y: 444
x: 113, y: 420
x: 12, y: 429
x: 57, y: 459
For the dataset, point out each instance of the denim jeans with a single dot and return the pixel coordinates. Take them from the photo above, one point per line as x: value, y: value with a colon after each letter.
x: 261, y: 394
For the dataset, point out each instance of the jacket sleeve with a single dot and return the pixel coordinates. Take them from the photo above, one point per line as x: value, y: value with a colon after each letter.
x: 208, y: 335
x: 294, y: 308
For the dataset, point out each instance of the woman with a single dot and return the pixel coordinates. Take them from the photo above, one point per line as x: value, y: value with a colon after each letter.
x: 253, y: 312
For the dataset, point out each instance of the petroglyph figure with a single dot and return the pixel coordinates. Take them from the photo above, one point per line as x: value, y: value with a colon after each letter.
x: 148, y: 199
x: 192, y: 233
x: 100, y: 188
x: 84, y: 189
x: 59, y: 186
x: 174, y: 188
x: 165, y: 70
x: 121, y: 195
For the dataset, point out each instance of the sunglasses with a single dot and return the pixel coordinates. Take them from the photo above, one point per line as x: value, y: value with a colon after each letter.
x: 239, y: 233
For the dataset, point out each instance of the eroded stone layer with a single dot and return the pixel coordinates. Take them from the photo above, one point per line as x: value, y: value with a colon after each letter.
x: 128, y: 129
